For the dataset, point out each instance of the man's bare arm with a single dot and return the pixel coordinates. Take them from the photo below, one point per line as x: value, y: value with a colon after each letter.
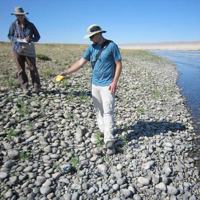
x: 74, y: 67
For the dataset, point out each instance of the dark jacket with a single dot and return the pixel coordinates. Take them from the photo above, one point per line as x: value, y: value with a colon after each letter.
x: 28, y: 30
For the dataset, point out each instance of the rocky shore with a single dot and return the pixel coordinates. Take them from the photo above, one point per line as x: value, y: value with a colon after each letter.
x: 50, y: 147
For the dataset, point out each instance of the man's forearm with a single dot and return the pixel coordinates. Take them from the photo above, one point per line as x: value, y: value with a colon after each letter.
x: 74, y: 67
x: 117, y: 71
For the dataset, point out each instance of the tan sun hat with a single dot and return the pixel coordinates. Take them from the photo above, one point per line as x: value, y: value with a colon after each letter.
x: 92, y: 30
x: 19, y: 11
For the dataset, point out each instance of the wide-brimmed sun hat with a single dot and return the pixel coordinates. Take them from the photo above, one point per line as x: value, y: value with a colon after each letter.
x: 93, y: 29
x: 19, y: 11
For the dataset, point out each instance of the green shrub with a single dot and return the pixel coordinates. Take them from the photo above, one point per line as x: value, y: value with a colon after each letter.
x: 99, y: 139
x: 9, y: 82
x: 24, y: 155
x: 10, y: 134
x: 74, y: 161
x: 43, y: 57
x: 22, y: 108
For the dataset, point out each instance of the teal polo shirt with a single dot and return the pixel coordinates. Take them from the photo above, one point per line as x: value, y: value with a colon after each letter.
x: 103, y: 70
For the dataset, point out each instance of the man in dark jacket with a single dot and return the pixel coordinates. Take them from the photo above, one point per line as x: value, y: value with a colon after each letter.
x: 23, y: 34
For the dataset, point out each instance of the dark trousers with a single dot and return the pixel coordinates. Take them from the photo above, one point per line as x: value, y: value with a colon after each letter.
x: 21, y: 71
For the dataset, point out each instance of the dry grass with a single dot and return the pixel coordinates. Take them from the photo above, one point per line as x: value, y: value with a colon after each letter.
x: 51, y: 59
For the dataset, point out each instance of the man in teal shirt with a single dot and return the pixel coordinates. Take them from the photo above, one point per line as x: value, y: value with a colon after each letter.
x: 105, y: 58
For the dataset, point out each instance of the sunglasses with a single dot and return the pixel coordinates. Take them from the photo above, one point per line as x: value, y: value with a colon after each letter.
x: 19, y: 15
x: 92, y: 37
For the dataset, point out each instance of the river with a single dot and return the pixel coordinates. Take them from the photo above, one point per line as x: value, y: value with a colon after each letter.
x: 188, y: 66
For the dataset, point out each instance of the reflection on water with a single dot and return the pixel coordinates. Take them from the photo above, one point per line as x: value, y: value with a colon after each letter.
x: 188, y: 66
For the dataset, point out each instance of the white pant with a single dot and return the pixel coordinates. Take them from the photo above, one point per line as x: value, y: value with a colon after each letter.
x: 104, y: 105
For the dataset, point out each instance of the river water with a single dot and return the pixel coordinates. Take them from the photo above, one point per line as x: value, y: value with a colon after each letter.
x: 188, y: 66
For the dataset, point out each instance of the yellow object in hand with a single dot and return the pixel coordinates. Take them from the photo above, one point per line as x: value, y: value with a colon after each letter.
x: 59, y: 78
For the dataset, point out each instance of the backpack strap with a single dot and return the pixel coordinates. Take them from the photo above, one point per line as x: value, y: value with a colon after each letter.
x: 103, y: 46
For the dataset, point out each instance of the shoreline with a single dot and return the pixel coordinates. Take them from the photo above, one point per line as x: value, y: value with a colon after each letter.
x: 163, y: 46
x: 42, y: 135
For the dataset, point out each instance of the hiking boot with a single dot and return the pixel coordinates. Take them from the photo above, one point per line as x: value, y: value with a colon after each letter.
x: 98, y: 151
x: 110, y: 147
x: 36, y: 90
x: 111, y: 152
x: 26, y: 91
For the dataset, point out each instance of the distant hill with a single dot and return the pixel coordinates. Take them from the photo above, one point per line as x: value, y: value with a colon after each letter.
x: 194, y: 45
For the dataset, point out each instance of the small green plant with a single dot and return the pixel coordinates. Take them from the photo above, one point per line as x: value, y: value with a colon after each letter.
x: 124, y: 139
x: 68, y: 115
x: 107, y: 159
x: 69, y: 97
x: 168, y: 90
x: 30, y: 126
x: 47, y: 72
x: 74, y: 161
x: 10, y: 134
x: 140, y: 110
x: 22, y: 108
x: 156, y: 93
x: 78, y: 85
x: 43, y: 57
x: 83, y: 98
x: 99, y: 139
x: 10, y: 82
x: 24, y: 155
x: 65, y: 83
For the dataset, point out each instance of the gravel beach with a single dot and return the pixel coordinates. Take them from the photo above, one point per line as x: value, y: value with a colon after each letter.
x: 50, y: 146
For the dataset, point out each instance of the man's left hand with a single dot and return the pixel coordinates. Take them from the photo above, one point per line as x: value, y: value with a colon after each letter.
x: 113, y: 87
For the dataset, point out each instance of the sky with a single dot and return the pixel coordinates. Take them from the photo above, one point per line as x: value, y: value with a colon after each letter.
x: 126, y: 21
